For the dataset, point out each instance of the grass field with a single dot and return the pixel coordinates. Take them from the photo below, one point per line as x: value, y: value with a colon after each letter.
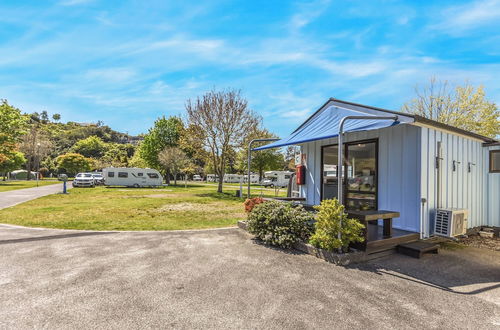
x: 101, y: 208
x: 21, y: 184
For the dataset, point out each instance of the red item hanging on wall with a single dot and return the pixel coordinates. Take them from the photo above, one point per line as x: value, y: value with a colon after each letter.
x: 301, y: 174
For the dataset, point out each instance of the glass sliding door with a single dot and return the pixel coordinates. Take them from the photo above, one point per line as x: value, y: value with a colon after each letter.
x: 360, y: 169
x: 361, y: 188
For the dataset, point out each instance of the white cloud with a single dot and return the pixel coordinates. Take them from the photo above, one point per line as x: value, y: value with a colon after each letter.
x: 458, y: 19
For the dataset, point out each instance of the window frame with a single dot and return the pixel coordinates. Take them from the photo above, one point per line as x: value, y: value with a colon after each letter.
x: 156, y: 176
x: 120, y: 175
x: 492, y: 170
x: 345, y: 153
x: 111, y: 174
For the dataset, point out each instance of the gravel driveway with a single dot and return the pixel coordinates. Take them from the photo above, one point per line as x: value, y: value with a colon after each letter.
x: 222, y: 279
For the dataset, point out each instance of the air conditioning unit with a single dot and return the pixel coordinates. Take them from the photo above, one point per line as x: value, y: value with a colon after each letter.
x: 450, y: 222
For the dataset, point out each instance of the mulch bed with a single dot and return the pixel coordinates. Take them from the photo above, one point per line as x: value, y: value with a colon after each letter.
x: 482, y: 242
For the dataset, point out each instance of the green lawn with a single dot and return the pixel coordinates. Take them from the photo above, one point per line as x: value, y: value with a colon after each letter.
x: 20, y: 184
x: 101, y: 208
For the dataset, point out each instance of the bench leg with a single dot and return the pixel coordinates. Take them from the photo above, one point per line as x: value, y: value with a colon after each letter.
x: 387, y: 229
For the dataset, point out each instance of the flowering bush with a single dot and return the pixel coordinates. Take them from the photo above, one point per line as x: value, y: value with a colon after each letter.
x: 251, y: 202
x: 280, y: 224
x: 328, y: 224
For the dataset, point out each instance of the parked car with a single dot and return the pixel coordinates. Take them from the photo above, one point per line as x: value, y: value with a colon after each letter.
x: 197, y: 177
x: 98, y: 178
x: 84, y: 180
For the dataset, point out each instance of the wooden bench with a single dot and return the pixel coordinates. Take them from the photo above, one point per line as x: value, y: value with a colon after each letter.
x: 374, y: 215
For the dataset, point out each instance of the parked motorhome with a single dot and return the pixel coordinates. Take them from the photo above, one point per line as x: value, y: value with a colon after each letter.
x: 132, y: 177
x: 414, y: 166
x: 276, y: 178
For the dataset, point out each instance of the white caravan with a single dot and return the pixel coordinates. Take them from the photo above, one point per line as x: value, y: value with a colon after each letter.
x: 254, y: 178
x: 276, y: 178
x: 132, y: 177
x: 233, y: 178
x: 212, y: 178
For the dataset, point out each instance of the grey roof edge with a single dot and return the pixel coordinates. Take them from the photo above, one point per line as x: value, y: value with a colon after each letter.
x: 417, y: 118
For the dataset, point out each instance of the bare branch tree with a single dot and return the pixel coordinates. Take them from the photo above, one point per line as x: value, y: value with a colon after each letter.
x: 464, y: 106
x: 36, y: 146
x: 223, y: 121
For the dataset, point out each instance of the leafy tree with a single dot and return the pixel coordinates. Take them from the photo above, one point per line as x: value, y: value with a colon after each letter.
x: 72, y: 163
x: 15, y: 161
x: 165, y: 133
x: 174, y: 160
x: 464, y: 107
x: 56, y: 117
x: 263, y: 160
x: 222, y: 121
x: 12, y: 127
x: 44, y: 117
x: 93, y: 147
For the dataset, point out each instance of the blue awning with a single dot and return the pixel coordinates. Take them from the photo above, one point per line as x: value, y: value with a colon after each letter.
x: 325, y: 125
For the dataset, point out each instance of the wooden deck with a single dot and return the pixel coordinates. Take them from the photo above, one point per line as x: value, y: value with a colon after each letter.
x: 376, y: 243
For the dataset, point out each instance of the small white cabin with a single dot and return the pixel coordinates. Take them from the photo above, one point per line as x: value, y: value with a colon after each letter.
x: 254, y: 178
x: 132, y: 177
x: 399, y: 162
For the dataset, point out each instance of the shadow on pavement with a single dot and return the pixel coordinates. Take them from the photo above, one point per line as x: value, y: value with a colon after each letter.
x: 50, y: 237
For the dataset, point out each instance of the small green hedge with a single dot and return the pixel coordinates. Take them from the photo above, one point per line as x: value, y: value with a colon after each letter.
x: 280, y: 224
x: 331, y: 219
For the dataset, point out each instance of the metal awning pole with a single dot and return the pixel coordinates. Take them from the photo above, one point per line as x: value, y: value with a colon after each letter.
x: 340, y: 195
x: 249, y: 160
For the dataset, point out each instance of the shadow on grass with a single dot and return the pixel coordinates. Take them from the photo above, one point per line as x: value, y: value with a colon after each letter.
x: 221, y: 196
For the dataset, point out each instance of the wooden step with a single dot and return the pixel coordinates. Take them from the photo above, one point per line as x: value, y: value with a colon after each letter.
x: 417, y: 249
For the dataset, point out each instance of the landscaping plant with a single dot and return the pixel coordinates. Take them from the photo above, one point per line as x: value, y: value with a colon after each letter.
x: 331, y: 219
x: 251, y: 202
x: 280, y: 224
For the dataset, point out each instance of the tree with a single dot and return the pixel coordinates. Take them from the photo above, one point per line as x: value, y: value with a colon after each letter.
x: 173, y: 160
x: 93, y: 147
x: 12, y: 127
x: 15, y: 161
x: 263, y: 160
x: 56, y: 117
x: 165, y: 133
x: 465, y: 107
x: 72, y: 163
x: 223, y: 121
x: 35, y: 146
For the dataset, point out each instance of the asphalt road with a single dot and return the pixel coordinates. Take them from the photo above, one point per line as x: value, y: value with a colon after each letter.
x: 14, y: 197
x: 222, y: 279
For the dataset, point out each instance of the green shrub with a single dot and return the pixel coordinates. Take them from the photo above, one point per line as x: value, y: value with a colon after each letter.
x: 327, y: 227
x: 280, y: 224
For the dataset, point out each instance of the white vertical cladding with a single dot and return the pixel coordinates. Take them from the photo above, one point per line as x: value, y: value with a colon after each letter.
x: 398, y: 171
x: 492, y: 209
x: 459, y: 187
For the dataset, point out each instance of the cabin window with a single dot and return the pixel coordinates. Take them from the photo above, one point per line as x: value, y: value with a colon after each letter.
x: 122, y: 174
x: 111, y: 174
x: 495, y: 161
x: 140, y: 174
x: 153, y: 175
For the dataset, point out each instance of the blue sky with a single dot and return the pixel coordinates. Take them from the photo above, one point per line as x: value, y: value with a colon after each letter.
x: 128, y: 62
